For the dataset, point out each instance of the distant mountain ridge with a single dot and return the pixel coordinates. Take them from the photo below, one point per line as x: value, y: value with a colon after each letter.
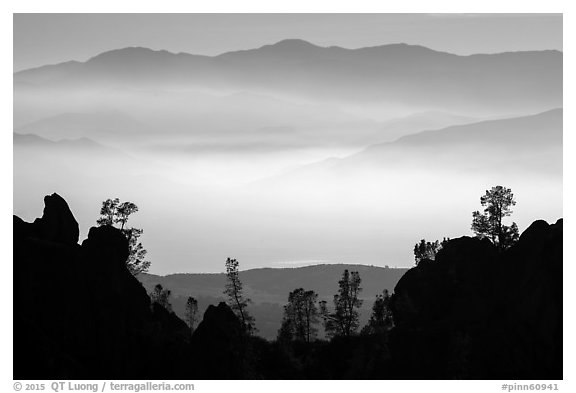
x: 73, y: 125
x: 535, y: 141
x: 290, y: 47
x: 524, y: 138
x: 408, y: 74
x: 274, y: 284
x: 503, y: 130
x: 269, y: 288
x: 38, y: 141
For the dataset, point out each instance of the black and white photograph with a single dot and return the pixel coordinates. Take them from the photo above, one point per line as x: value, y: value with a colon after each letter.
x: 288, y: 196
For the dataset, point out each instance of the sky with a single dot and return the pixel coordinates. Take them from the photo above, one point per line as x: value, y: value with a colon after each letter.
x: 41, y: 39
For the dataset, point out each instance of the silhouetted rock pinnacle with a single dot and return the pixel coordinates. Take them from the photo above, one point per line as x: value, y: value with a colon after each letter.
x: 79, y: 313
x: 474, y: 313
x: 220, y: 340
x: 57, y: 223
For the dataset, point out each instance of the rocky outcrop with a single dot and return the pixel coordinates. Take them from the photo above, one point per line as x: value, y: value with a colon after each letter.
x: 531, y: 290
x: 79, y: 313
x: 221, y: 344
x: 57, y: 223
x: 475, y: 313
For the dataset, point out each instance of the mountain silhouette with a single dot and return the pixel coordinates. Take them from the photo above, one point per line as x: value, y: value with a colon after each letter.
x: 286, y: 50
x: 530, y: 131
x: 400, y: 73
x: 430, y: 120
x: 85, y: 144
x: 89, y: 125
x: 517, y: 145
x: 523, y: 143
x: 269, y: 288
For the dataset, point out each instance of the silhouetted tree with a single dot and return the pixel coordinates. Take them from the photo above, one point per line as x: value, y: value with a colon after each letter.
x: 497, y: 202
x: 345, y: 319
x: 161, y: 296
x: 236, y: 300
x: 113, y: 212
x: 310, y: 314
x: 329, y: 319
x: 425, y: 250
x: 124, y: 210
x: 191, y: 312
x: 300, y: 316
x: 136, y: 261
x: 381, y: 318
x: 108, y: 212
x: 286, y: 331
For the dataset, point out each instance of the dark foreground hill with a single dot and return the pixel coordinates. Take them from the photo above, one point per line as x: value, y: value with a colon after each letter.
x: 471, y: 313
x: 268, y: 289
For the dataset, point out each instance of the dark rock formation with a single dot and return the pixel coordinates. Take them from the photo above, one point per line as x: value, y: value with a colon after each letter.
x: 79, y: 313
x: 57, y: 223
x: 221, y: 344
x: 531, y: 290
x: 475, y: 313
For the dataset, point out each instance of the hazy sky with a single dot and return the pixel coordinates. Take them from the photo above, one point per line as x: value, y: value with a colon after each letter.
x: 41, y: 39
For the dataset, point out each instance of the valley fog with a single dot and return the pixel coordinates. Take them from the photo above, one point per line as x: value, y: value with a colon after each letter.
x: 195, y: 212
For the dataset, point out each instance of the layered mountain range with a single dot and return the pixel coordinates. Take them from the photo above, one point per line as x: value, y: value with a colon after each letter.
x: 399, y: 73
